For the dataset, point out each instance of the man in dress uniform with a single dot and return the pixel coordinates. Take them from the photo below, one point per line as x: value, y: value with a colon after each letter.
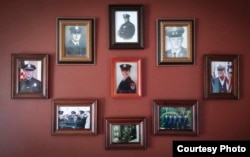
x: 29, y: 83
x: 127, y: 29
x: 221, y: 84
x: 127, y: 85
x: 74, y: 47
x: 175, y: 38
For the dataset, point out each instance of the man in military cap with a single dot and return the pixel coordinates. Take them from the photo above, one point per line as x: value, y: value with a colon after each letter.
x: 127, y: 85
x: 75, y: 47
x: 127, y: 29
x: 175, y: 38
x: 29, y: 83
x: 221, y: 83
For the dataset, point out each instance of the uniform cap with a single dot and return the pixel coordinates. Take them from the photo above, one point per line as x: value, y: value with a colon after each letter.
x: 75, y: 29
x: 221, y: 68
x: 29, y: 67
x: 73, y: 112
x: 125, y: 67
x: 175, y: 31
x: 60, y: 112
x: 126, y: 16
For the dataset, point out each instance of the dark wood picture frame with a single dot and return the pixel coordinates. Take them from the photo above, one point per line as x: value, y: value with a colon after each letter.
x: 76, y: 41
x: 125, y: 133
x: 224, y: 68
x: 126, y: 26
x: 74, y: 117
x: 29, y: 76
x: 175, y: 42
x: 175, y: 117
x: 130, y: 87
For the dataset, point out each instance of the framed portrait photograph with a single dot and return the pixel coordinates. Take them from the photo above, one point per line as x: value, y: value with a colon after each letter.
x: 221, y: 78
x: 74, y: 117
x: 175, y: 42
x: 29, y: 76
x: 175, y: 117
x: 126, y: 26
x: 76, y: 41
x: 125, y: 133
x: 126, y: 78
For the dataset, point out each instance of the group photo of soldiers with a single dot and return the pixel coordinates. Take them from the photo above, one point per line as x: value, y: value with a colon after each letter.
x: 125, y: 133
x: 176, y: 118
x: 74, y: 118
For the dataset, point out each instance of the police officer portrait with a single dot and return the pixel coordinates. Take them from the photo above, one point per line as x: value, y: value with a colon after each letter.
x: 30, y: 76
x: 75, y: 41
x: 126, y: 26
x: 221, y: 81
x: 126, y: 76
x: 176, y: 44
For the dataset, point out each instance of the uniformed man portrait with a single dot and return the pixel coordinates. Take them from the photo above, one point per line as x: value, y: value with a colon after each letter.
x: 175, y: 42
x: 28, y: 83
x: 127, y: 29
x: 75, y: 45
x: 127, y: 84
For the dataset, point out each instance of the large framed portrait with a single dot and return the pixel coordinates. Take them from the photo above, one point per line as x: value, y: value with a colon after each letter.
x: 175, y: 117
x: 126, y: 26
x: 74, y: 117
x: 221, y: 78
x: 29, y: 76
x: 126, y: 78
x: 125, y: 133
x: 76, y: 41
x: 175, y: 42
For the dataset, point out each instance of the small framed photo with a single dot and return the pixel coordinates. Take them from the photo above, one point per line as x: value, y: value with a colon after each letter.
x: 74, y: 117
x: 175, y: 42
x: 126, y: 78
x: 175, y: 117
x: 29, y: 76
x: 76, y: 41
x: 126, y: 27
x: 125, y: 133
x: 221, y: 76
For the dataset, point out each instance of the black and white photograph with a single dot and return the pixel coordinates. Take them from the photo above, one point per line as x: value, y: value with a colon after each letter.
x: 125, y: 133
x: 29, y: 76
x: 126, y: 26
x: 76, y: 41
x: 126, y: 77
x: 175, y: 42
x: 74, y: 116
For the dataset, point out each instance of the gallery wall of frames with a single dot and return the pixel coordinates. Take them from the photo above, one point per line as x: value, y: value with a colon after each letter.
x: 122, y: 79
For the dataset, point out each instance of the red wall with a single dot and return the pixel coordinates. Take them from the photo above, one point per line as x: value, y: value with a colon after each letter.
x: 222, y: 27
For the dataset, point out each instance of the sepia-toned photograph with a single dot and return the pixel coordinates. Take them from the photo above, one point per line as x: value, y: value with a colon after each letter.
x: 29, y: 76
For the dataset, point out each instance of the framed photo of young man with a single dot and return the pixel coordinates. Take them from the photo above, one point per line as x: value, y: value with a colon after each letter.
x: 126, y: 26
x: 125, y: 133
x: 29, y: 76
x: 221, y: 76
x: 175, y: 42
x: 126, y: 78
x: 76, y: 41
x: 175, y: 117
x: 74, y: 117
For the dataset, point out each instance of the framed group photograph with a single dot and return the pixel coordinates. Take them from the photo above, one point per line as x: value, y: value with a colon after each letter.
x: 74, y: 117
x: 125, y: 133
x: 126, y: 78
x: 29, y: 76
x: 76, y: 41
x: 221, y: 78
x: 175, y: 117
x: 175, y: 42
x: 126, y: 26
